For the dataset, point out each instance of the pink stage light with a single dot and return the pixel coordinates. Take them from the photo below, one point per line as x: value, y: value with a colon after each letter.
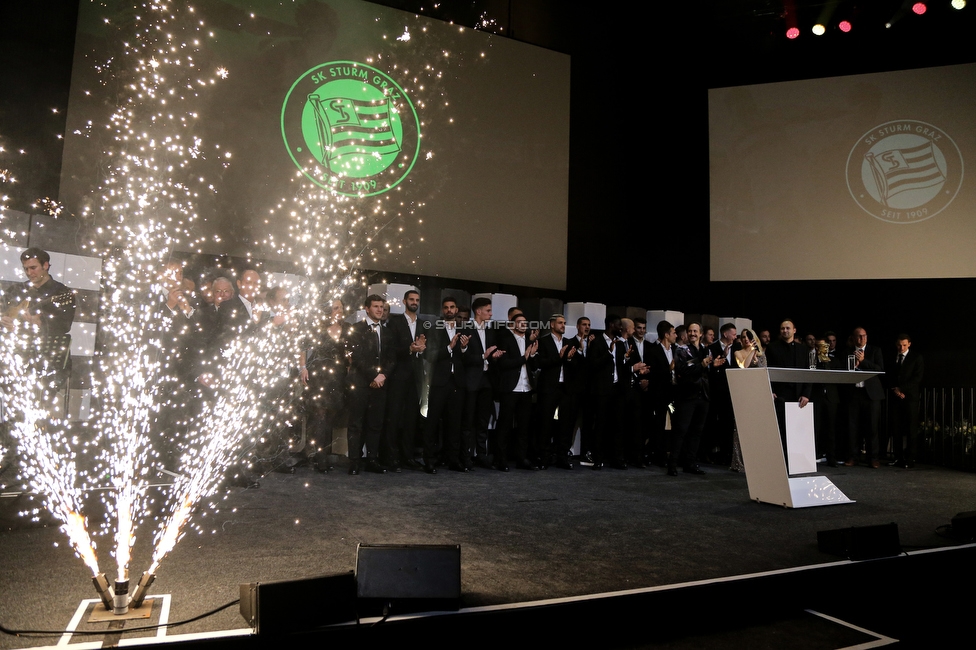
x: 844, y: 26
x: 792, y: 32
x: 919, y: 8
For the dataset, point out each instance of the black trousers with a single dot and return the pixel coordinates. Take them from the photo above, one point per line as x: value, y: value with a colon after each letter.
x: 367, y: 407
x: 686, y: 429
x: 444, y: 408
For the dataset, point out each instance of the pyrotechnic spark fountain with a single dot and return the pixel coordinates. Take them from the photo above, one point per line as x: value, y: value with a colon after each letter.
x: 144, y: 210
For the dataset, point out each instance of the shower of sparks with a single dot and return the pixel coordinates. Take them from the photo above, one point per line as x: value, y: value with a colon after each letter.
x: 144, y: 210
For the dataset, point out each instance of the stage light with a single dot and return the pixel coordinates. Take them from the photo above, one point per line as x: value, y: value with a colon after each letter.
x: 919, y: 8
x: 844, y: 26
x: 958, y: 4
x: 818, y: 30
x: 792, y: 33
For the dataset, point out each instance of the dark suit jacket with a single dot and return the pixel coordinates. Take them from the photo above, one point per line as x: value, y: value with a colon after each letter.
x: 549, y: 364
x: 691, y: 376
x: 365, y: 361
x: 442, y: 361
x: 661, y: 388
x: 717, y: 374
x: 788, y: 355
x: 873, y: 360
x: 473, y: 356
x: 600, y: 363
x: 575, y: 368
x: 508, y: 366
x: 625, y: 357
x: 908, y: 377
x: 409, y: 366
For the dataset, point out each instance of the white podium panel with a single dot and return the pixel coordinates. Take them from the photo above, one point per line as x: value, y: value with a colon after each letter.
x: 801, y: 440
x: 762, y: 450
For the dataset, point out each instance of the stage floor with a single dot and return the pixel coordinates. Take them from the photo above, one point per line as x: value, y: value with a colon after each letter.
x: 524, y: 535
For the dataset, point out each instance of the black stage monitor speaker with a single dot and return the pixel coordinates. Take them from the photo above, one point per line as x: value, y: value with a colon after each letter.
x: 298, y: 605
x: 408, y: 578
x: 861, y: 542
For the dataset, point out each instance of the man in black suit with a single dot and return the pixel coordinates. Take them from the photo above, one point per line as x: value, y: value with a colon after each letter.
x: 787, y: 352
x: 445, y: 398
x: 864, y: 400
x: 625, y: 403
x: 372, y: 360
x: 403, y: 392
x: 642, y: 390
x: 660, y: 377
x: 577, y: 394
x: 515, y: 396
x: 718, y: 439
x: 554, y: 354
x: 601, y: 362
x: 905, y: 386
x: 478, y: 345
x: 691, y: 364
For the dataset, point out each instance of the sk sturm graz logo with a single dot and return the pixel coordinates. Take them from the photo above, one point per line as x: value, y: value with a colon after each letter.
x: 904, y: 171
x: 350, y: 128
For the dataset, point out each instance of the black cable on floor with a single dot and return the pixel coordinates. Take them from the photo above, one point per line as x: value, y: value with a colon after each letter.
x: 43, y: 633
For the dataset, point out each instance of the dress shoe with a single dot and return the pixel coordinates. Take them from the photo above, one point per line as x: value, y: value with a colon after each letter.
x: 875, y: 464
x: 619, y: 465
x: 354, y: 469
x: 393, y: 467
x: 564, y: 463
x: 483, y: 461
x: 849, y: 462
x: 457, y: 467
x: 672, y: 470
x: 693, y: 469
x: 501, y: 467
x: 410, y: 463
x: 430, y: 469
x: 587, y: 458
x: 373, y: 465
x: 597, y: 464
x: 525, y: 463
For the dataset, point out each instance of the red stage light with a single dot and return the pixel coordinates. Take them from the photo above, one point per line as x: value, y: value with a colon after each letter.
x: 844, y: 26
x: 792, y: 32
x: 919, y: 8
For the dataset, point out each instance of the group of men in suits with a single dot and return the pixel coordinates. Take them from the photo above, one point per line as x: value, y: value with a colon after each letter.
x: 855, y: 408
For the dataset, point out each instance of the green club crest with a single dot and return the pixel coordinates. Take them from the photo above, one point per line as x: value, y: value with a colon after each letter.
x: 350, y: 128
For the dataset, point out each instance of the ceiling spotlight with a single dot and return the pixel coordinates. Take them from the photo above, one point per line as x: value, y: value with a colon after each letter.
x: 844, y: 26
x: 958, y: 4
x: 818, y: 29
x: 792, y: 33
x: 919, y: 8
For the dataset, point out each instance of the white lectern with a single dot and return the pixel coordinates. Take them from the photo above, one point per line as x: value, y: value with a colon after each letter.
x: 762, y: 450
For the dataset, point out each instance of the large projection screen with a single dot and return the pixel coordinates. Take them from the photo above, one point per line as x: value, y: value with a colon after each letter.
x: 484, y: 198
x: 859, y: 177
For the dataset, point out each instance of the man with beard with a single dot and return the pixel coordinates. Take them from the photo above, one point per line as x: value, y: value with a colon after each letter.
x: 554, y: 353
x: 445, y: 399
x: 403, y: 393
